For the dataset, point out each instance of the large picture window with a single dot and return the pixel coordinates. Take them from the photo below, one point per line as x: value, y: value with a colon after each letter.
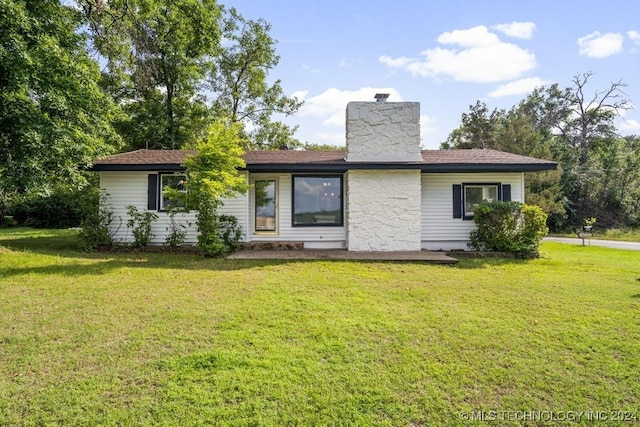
x: 317, y: 200
x: 175, y: 182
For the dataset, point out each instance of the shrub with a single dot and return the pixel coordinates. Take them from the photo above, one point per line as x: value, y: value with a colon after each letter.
x: 95, y: 229
x: 218, y: 235
x: 230, y: 232
x: 209, y: 240
x: 61, y: 208
x: 5, y: 220
x: 177, y: 232
x: 509, y: 227
x: 140, y: 224
x: 8, y: 222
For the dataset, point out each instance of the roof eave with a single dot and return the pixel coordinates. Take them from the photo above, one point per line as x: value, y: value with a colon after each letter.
x: 488, y: 167
x: 326, y: 167
x: 341, y: 167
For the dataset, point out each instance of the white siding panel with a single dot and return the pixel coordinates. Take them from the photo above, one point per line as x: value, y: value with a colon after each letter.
x: 130, y: 188
x: 439, y: 229
x: 237, y: 207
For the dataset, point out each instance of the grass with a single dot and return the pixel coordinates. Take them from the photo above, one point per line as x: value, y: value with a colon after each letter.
x: 174, y: 339
x: 621, y: 234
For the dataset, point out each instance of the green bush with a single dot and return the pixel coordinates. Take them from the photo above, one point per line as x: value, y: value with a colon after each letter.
x: 61, y: 208
x: 177, y: 232
x: 8, y: 222
x: 218, y: 235
x: 140, y: 224
x: 509, y: 227
x: 95, y: 229
x: 230, y: 232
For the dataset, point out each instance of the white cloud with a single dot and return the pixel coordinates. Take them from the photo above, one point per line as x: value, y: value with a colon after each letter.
x: 629, y: 126
x: 301, y: 95
x: 427, y: 124
x: 477, y: 56
x: 597, y: 45
x: 634, y: 36
x: 400, y: 62
x: 427, y: 127
x: 310, y: 70
x: 331, y: 103
x: 476, y: 36
x: 518, y: 87
x: 519, y: 30
x: 625, y: 113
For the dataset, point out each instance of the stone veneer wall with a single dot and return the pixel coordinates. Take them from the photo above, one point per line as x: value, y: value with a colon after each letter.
x: 383, y: 210
x: 383, y: 132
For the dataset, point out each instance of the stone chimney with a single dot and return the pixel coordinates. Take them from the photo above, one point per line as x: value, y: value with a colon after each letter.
x: 383, y: 204
x: 383, y: 131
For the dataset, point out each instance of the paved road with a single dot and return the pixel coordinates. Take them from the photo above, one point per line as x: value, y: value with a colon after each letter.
x: 633, y: 246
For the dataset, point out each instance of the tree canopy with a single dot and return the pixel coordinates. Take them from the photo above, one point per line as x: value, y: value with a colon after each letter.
x: 240, y: 87
x: 79, y: 82
x: 53, y: 114
x: 598, y: 174
x: 177, y: 66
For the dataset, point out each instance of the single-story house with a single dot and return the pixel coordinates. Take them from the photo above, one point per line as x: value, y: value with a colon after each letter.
x: 384, y: 193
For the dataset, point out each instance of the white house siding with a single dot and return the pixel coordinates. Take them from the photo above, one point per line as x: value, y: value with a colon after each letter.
x: 313, y: 237
x: 383, y: 210
x: 130, y: 188
x: 440, y: 231
x: 238, y: 207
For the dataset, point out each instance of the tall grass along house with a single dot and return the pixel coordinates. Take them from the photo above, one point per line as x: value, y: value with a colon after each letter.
x: 382, y: 194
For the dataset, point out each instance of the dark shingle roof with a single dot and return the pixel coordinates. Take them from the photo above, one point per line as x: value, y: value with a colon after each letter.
x: 323, y: 161
x: 147, y: 157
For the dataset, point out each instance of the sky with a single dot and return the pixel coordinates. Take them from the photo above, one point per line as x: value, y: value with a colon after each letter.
x: 444, y: 54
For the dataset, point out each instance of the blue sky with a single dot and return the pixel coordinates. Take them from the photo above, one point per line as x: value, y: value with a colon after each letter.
x: 445, y: 54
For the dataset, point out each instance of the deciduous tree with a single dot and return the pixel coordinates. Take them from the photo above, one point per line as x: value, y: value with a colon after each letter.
x: 239, y: 81
x: 512, y: 131
x: 579, y: 124
x: 179, y: 65
x: 53, y: 115
x: 213, y: 175
x: 158, y: 54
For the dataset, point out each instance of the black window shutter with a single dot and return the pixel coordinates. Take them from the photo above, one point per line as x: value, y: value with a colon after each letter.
x: 506, y: 192
x: 152, y: 192
x: 457, y: 201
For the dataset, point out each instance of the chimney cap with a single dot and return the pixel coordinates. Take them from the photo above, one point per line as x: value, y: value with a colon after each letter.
x: 381, y: 97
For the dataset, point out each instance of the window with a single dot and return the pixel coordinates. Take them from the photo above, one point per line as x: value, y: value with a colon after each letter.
x: 265, y: 205
x: 476, y: 194
x: 175, y: 182
x: 466, y: 197
x: 317, y: 200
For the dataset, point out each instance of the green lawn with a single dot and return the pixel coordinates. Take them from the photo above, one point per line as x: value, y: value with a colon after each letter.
x: 621, y: 234
x: 171, y: 339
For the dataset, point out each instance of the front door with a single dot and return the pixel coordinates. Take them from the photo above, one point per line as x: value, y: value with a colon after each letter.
x: 265, y: 205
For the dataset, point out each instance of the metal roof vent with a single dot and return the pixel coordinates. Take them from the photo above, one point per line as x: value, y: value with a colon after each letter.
x: 381, y: 97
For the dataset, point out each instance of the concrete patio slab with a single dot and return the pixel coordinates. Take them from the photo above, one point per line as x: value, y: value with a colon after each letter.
x: 340, y: 254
